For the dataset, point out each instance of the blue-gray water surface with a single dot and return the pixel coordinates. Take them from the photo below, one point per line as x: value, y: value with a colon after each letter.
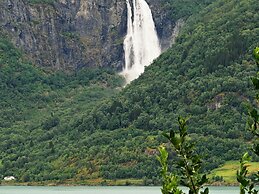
x: 99, y: 190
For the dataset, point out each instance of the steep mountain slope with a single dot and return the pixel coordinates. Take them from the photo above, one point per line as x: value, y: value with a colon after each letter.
x: 36, y: 107
x: 68, y: 34
x: 55, y: 127
x: 205, y: 76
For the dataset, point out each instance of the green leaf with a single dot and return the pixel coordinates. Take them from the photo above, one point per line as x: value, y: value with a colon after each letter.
x: 172, y: 134
x: 176, y: 142
x: 166, y: 135
x: 246, y: 158
x: 163, y: 153
x: 243, y: 181
x: 256, y: 54
x: 203, y: 180
x: 206, y: 191
x: 251, y: 187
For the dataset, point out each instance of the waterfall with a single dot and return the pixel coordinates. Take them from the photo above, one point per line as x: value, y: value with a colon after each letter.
x: 141, y: 44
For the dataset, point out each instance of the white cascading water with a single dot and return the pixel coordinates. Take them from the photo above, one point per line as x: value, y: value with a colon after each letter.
x: 141, y: 45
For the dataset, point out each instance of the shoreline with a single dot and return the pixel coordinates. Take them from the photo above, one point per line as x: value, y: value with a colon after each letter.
x: 107, y: 184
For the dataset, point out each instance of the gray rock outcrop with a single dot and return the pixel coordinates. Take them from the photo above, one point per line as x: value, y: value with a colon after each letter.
x: 69, y: 34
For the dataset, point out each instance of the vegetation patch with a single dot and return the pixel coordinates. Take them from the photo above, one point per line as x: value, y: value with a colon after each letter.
x: 49, y: 2
x: 57, y: 127
x: 229, y: 169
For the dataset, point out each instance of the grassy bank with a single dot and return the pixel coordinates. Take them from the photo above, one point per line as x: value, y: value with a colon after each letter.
x: 227, y: 172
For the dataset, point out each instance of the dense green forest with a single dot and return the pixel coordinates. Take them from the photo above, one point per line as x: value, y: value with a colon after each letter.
x: 36, y: 107
x: 205, y: 76
x: 79, y: 126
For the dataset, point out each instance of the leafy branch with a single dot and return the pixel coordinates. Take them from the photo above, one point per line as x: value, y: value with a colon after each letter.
x: 170, y: 181
x: 188, y: 162
x: 246, y: 184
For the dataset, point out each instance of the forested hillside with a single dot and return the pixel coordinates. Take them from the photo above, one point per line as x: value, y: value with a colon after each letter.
x: 79, y: 126
x: 36, y: 107
x: 205, y: 76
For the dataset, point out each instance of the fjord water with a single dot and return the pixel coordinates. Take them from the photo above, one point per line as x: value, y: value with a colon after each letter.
x: 99, y: 190
x: 141, y: 44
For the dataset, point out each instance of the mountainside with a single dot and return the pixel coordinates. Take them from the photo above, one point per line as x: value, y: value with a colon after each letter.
x: 37, y: 107
x: 80, y: 127
x: 205, y: 75
x: 68, y: 34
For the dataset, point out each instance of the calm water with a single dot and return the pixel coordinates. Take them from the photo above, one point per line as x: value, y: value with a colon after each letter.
x: 100, y: 190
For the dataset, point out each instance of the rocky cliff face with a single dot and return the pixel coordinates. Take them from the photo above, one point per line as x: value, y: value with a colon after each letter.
x: 164, y: 23
x: 69, y: 34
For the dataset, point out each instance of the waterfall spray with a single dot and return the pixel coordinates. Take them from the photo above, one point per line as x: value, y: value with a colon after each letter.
x: 141, y: 45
